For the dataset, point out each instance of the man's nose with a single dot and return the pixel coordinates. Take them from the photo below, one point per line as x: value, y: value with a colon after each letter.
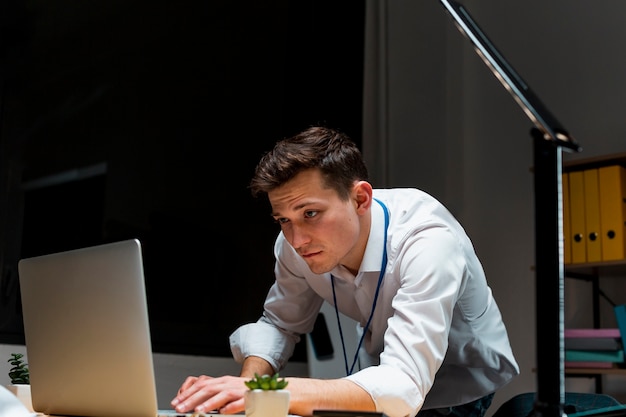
x: 299, y: 237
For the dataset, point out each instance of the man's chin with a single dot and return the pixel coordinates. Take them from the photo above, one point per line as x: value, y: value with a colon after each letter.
x: 319, y: 269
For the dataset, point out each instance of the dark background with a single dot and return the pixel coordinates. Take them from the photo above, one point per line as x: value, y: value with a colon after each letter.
x: 145, y: 119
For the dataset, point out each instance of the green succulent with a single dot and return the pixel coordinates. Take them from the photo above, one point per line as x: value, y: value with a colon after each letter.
x: 19, y: 372
x: 266, y: 382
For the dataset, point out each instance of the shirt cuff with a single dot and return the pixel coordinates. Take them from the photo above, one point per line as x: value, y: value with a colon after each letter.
x: 262, y: 340
x: 388, y: 388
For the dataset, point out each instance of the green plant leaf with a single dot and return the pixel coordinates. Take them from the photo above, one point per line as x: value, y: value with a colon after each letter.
x: 266, y: 382
x: 19, y: 373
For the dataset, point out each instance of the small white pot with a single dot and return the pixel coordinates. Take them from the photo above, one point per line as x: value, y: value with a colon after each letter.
x: 22, y: 392
x: 271, y: 403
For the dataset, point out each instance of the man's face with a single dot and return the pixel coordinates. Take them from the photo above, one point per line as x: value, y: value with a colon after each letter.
x: 322, y: 228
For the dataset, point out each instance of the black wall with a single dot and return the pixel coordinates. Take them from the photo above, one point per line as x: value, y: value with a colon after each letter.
x: 172, y: 103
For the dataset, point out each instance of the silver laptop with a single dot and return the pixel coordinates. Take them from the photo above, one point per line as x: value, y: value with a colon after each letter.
x: 87, y: 332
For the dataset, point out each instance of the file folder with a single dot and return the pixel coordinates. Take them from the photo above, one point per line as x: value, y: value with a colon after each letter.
x: 612, y: 189
x: 567, y: 246
x: 577, y: 236
x: 592, y: 215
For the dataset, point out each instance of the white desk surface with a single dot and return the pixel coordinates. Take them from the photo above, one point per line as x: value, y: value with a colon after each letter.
x: 24, y: 397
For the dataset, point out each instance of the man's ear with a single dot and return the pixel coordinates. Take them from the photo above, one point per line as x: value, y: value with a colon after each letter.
x: 363, y: 196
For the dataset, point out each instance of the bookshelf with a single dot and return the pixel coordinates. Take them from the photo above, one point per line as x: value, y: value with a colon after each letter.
x: 593, y: 271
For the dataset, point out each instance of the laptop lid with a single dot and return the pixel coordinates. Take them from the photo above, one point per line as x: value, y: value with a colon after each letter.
x: 536, y: 111
x: 87, y: 332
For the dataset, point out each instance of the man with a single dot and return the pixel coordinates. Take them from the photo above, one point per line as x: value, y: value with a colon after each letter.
x: 432, y: 338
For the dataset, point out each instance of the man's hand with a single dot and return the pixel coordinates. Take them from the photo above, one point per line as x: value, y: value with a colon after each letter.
x: 225, y: 394
x: 204, y: 394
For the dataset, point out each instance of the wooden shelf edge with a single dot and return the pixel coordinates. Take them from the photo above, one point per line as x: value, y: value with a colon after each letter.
x: 604, y: 268
x: 594, y: 162
x: 602, y: 264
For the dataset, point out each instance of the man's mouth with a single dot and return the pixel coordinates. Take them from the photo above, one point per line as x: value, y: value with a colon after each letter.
x: 309, y: 254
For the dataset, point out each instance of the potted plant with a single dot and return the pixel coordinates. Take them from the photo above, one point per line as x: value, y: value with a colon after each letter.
x: 266, y: 397
x: 20, y: 379
x: 19, y: 372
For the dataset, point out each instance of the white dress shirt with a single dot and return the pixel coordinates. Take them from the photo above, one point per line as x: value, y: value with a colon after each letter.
x: 436, y: 338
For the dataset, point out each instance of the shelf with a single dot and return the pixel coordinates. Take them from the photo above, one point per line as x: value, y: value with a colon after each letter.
x: 594, y: 162
x: 594, y: 271
x: 595, y: 373
x: 605, y: 268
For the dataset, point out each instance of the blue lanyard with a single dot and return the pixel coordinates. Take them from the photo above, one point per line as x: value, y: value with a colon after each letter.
x: 380, y: 281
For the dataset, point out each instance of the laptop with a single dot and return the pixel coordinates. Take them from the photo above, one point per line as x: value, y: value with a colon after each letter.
x: 87, y: 333
x: 532, y: 106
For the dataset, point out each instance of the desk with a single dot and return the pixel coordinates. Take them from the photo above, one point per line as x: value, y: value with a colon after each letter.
x: 22, y: 392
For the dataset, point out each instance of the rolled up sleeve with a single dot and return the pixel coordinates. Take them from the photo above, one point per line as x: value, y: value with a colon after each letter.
x: 388, y: 388
x: 264, y: 340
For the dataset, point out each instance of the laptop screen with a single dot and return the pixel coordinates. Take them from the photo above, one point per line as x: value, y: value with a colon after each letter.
x: 87, y: 332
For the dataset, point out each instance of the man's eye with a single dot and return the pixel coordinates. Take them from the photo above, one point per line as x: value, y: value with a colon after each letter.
x: 281, y: 220
x: 310, y: 213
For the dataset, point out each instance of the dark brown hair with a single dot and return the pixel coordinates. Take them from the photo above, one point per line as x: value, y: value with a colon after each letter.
x: 332, y: 152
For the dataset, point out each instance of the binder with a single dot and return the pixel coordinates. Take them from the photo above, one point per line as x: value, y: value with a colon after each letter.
x: 567, y: 246
x: 577, y: 217
x: 612, y: 189
x: 592, y: 215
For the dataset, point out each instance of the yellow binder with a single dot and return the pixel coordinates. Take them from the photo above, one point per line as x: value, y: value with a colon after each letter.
x: 567, y: 246
x: 612, y: 186
x: 592, y: 215
x: 577, y: 216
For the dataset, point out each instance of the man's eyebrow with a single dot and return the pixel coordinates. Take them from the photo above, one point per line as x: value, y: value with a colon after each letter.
x: 298, y: 207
